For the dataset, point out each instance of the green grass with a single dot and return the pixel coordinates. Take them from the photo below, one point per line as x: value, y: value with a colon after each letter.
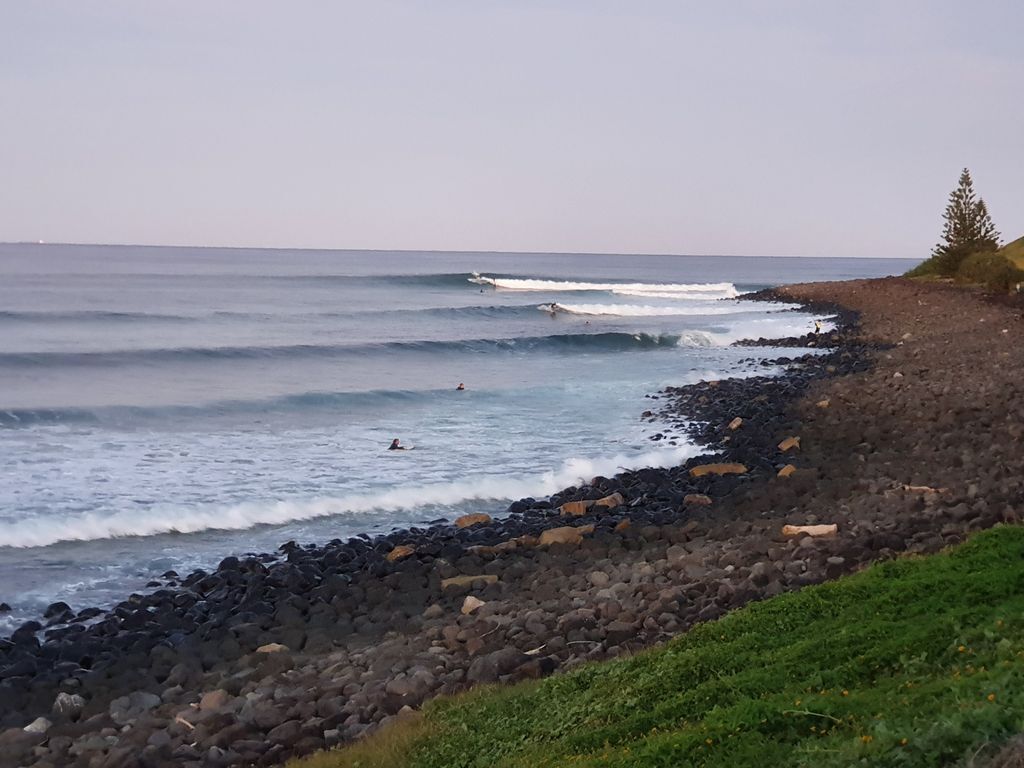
x: 914, y: 662
x: 996, y: 270
x: 1014, y: 252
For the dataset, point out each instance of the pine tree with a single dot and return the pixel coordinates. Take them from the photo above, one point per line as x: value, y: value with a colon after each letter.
x: 968, y: 228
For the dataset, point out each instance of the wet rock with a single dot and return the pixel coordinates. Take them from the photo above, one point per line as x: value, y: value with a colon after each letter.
x: 68, y: 705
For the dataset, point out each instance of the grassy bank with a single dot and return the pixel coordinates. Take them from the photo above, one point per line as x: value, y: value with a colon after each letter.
x: 998, y: 270
x: 912, y: 662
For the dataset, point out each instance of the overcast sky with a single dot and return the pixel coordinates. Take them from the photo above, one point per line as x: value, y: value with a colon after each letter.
x: 760, y: 128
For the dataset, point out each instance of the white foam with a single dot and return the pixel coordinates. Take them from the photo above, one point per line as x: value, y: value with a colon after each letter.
x: 645, y: 310
x: 661, y: 290
x: 725, y: 293
x: 168, y: 519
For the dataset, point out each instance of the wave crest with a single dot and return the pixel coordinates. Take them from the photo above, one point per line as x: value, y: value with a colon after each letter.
x: 166, y: 519
x: 669, y: 290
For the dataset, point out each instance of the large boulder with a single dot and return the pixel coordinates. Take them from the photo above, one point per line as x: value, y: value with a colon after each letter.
x: 479, y: 518
x: 565, y: 535
x: 127, y: 708
x: 489, y: 668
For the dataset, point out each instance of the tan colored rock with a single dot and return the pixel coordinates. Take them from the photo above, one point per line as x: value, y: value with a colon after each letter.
x: 475, y: 519
x: 823, y: 403
x: 467, y: 580
x: 718, y: 469
x: 697, y: 499
x: 736, y: 423
x: 614, y: 500
x: 527, y: 540
x: 622, y: 525
x: 402, y: 550
x: 272, y: 648
x: 575, y: 508
x: 787, y: 470
x: 565, y: 535
x: 486, y: 549
x: 214, y: 699
x: 471, y: 604
x: 789, y: 444
x: 810, y: 530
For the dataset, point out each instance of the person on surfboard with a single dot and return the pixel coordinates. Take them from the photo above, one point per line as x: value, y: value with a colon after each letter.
x: 461, y: 387
x: 395, y: 446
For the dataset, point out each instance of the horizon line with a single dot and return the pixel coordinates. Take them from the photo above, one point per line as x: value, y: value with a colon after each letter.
x: 440, y: 250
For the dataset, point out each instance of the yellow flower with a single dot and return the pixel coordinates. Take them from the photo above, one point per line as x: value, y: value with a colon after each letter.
x: 903, y: 742
x: 991, y: 697
x: 866, y: 738
x: 845, y: 692
x: 962, y: 648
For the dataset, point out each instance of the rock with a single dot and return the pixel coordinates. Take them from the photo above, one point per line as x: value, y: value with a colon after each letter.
x: 68, y: 705
x: 214, y: 700
x: 810, y: 530
x: 823, y: 404
x: 286, y: 733
x: 611, y: 501
x: 787, y: 470
x: 575, y: 508
x: 471, y: 604
x: 487, y: 669
x: 272, y: 648
x: 736, y: 423
x: 434, y: 611
x: 565, y: 535
x: 39, y: 725
x: 465, y: 581
x: 622, y: 525
x: 789, y: 444
x: 599, y: 579
x: 718, y: 469
x: 697, y: 499
x: 127, y: 708
x: 402, y: 550
x: 475, y: 519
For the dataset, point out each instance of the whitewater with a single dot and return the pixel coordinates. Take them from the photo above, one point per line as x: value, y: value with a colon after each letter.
x: 161, y: 408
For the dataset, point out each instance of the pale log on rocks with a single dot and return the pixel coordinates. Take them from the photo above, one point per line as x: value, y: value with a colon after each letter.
x: 467, y: 580
x: 718, y: 469
x: 810, y: 530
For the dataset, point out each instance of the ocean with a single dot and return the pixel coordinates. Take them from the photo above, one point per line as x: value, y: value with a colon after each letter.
x: 162, y: 408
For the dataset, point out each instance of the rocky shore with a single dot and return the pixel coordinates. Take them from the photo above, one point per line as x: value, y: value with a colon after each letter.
x: 905, y: 435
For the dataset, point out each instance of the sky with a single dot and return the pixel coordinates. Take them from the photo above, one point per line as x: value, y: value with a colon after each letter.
x: 803, y: 128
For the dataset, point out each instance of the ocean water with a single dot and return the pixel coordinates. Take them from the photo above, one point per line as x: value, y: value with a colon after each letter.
x: 161, y: 408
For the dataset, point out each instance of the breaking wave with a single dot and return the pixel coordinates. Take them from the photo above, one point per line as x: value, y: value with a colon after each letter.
x: 164, y: 519
x: 661, y: 290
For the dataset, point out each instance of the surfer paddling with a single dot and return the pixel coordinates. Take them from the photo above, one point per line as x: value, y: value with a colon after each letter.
x: 461, y: 387
x: 395, y: 446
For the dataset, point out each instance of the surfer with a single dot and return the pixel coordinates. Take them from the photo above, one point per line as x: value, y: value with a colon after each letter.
x: 461, y: 387
x: 817, y: 327
x: 395, y: 446
x: 554, y: 310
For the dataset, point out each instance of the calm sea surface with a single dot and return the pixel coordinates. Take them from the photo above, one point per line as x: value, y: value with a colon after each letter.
x: 161, y: 408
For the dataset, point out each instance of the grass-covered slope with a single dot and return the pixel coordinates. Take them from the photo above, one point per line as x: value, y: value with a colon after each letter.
x: 997, y: 270
x: 1014, y: 252
x: 915, y: 662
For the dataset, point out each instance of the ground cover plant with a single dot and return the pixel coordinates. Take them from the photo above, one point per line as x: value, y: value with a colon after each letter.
x: 913, y: 662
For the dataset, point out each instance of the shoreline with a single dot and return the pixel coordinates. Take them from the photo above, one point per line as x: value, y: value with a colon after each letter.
x: 366, y: 637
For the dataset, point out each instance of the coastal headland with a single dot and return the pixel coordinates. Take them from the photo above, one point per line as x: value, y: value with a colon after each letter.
x: 905, y: 435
